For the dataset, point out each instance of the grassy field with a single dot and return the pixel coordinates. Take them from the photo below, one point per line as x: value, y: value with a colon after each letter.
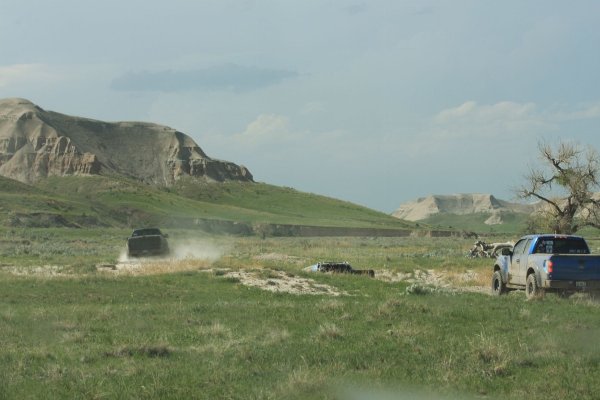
x: 195, y: 327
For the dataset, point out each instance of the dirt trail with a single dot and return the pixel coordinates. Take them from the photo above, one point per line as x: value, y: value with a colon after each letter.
x: 272, y: 280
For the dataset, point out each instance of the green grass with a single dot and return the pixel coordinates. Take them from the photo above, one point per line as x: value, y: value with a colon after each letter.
x: 197, y: 334
x: 11, y: 186
x: 74, y: 248
x: 291, y: 205
x: 18, y: 199
x: 116, y: 201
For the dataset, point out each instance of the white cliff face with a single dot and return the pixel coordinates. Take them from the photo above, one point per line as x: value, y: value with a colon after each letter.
x: 460, y: 204
x: 35, y: 144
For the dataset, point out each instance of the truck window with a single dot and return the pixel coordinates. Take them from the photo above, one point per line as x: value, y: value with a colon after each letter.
x: 519, y: 247
x: 561, y: 245
x: 146, y: 232
x: 527, y: 246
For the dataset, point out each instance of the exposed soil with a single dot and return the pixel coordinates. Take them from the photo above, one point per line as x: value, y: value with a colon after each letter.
x: 279, y: 281
x: 267, y: 279
x: 43, y: 270
x: 157, y: 266
x: 469, y: 281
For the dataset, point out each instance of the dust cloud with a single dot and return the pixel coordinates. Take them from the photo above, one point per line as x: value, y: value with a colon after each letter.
x: 184, y: 249
x: 202, y: 249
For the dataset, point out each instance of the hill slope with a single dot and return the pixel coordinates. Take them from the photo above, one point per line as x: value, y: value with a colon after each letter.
x: 117, y: 201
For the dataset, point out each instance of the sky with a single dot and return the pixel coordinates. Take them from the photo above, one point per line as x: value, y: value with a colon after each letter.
x: 376, y: 102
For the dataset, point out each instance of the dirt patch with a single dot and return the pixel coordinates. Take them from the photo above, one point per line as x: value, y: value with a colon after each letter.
x: 282, y: 282
x: 468, y: 281
x: 265, y: 279
x: 49, y: 271
x: 155, y: 266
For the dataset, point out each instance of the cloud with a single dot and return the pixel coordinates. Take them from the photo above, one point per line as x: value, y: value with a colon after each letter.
x: 23, y: 73
x: 504, y: 119
x: 224, y: 77
x: 273, y: 132
x: 588, y: 111
x: 266, y: 128
x: 500, y: 125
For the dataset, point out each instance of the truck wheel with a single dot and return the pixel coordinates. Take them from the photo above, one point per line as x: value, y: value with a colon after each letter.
x: 532, y: 289
x: 498, y: 287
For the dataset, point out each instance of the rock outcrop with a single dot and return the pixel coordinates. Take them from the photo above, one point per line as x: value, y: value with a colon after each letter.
x: 460, y: 204
x: 35, y: 144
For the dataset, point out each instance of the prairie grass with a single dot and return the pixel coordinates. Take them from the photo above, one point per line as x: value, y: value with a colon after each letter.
x: 188, y: 330
x: 328, y: 331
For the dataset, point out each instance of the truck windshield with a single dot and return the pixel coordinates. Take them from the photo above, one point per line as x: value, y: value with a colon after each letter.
x: 560, y: 245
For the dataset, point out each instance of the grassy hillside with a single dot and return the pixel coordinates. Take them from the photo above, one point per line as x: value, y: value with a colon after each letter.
x: 12, y: 186
x: 289, y: 204
x: 21, y: 203
x: 513, y: 223
x: 116, y: 201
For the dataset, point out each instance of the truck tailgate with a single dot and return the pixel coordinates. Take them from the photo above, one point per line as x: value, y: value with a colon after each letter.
x: 145, y: 243
x: 578, y: 267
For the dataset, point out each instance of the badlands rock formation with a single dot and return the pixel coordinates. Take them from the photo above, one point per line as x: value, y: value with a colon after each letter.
x: 460, y: 204
x: 35, y: 144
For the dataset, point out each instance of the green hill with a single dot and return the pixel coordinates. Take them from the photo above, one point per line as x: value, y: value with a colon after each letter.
x: 22, y: 204
x: 117, y: 201
x: 11, y: 186
x: 512, y: 222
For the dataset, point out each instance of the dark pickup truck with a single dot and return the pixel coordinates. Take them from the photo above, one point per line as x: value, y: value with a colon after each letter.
x: 147, y: 242
x: 547, y: 262
x: 339, y: 267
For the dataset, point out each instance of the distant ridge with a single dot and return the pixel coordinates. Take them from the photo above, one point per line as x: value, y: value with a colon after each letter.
x: 460, y: 204
x: 36, y: 144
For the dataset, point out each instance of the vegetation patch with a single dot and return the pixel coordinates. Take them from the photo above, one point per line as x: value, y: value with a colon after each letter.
x: 143, y: 351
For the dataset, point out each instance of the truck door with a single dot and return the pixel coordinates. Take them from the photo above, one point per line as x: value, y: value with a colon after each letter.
x: 518, y: 266
x: 524, y: 262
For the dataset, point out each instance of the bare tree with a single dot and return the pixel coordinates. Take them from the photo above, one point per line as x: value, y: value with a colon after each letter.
x: 566, y: 184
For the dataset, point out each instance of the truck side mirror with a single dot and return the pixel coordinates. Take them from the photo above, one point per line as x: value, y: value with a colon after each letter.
x: 506, y: 252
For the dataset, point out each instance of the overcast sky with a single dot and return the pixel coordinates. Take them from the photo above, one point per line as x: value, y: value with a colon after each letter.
x: 377, y: 102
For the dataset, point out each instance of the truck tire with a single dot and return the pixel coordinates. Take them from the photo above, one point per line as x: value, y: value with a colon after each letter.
x: 498, y: 287
x: 532, y: 289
